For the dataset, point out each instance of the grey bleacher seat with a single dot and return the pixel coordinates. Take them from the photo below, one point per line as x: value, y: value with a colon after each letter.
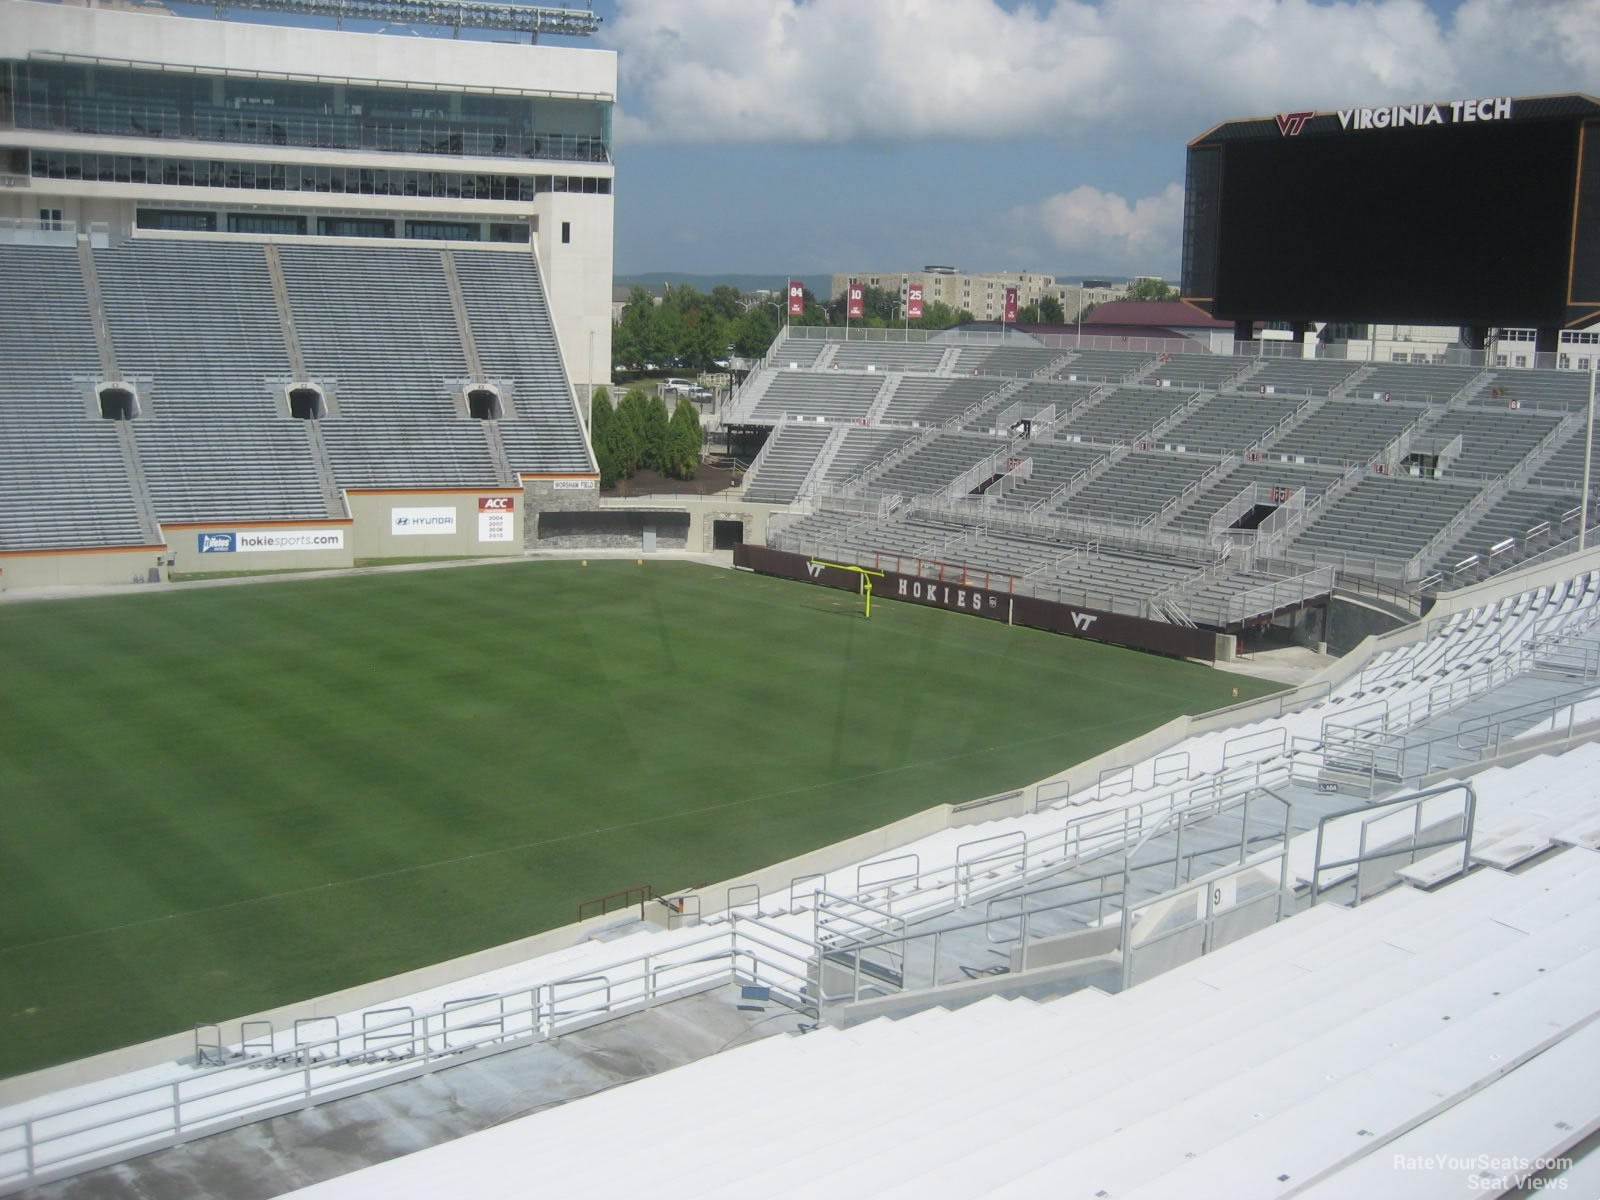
x: 1564, y: 467
x: 1009, y: 362
x: 815, y: 531
x: 1417, y: 382
x: 934, y: 466
x: 1117, y: 581
x: 1137, y: 487
x: 1552, y: 389
x: 1126, y: 415
x: 1500, y: 537
x: 786, y: 462
x: 888, y: 356
x: 1228, y: 422
x: 516, y: 341
x: 837, y: 395
x: 215, y: 442
x: 863, y: 446
x: 379, y: 321
x: 1195, y: 516
x: 1386, y: 517
x: 1110, y: 366
x: 1054, y: 464
x: 1345, y: 431
x: 1302, y: 376
x: 1029, y: 400
x: 932, y: 400
x: 1493, y: 440
x: 64, y: 483
x: 1195, y: 371
x: 798, y: 353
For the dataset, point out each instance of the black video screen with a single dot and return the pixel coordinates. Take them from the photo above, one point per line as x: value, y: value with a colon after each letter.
x: 1435, y: 225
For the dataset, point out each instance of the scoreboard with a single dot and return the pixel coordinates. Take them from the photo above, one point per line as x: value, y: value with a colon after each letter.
x: 1482, y: 211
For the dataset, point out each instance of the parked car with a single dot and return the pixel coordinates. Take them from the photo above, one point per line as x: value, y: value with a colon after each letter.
x: 677, y: 387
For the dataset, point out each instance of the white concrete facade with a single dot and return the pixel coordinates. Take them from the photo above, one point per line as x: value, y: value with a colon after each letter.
x: 555, y: 193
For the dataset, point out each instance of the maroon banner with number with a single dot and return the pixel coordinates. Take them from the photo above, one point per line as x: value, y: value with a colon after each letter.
x: 797, y: 298
x: 856, y: 299
x: 1011, y: 305
x: 914, y: 301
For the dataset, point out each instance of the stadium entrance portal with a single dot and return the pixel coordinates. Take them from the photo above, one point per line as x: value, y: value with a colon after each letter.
x: 483, y: 404
x: 306, y: 404
x: 725, y: 535
x: 1252, y: 517
x: 118, y: 402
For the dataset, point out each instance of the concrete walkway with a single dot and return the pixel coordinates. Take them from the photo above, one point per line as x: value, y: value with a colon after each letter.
x: 272, y: 1157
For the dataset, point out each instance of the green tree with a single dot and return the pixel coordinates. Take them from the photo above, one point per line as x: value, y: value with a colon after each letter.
x: 724, y: 302
x: 755, y: 330
x: 636, y: 338
x: 685, y: 441
x: 657, y: 436
x: 625, y: 432
x: 601, y: 438
x: 1152, y: 289
x: 1046, y: 311
x: 881, y: 307
x: 704, y: 335
x: 936, y: 314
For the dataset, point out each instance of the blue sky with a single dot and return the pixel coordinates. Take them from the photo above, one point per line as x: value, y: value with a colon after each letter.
x: 832, y: 135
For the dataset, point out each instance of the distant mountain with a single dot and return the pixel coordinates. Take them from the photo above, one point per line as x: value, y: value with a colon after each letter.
x: 819, y: 284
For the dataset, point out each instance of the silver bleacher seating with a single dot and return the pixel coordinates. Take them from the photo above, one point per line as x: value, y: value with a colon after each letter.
x: 64, y: 483
x: 835, y: 395
x: 380, y: 322
x: 786, y: 462
x: 215, y: 439
x: 1345, y: 431
x: 516, y: 342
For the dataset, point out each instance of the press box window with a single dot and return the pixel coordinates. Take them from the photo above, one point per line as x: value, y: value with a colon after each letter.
x: 182, y: 222
x: 270, y: 223
x: 443, y: 231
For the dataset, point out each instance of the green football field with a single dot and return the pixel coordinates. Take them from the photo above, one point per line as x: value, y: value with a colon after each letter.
x: 214, y: 801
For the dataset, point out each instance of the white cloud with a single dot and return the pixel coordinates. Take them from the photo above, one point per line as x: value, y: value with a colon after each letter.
x: 852, y: 70
x: 1104, y: 231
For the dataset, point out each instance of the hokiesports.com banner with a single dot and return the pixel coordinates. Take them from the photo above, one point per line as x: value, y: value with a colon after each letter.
x: 261, y: 541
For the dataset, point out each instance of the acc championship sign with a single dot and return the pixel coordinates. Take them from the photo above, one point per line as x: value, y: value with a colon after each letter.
x: 496, y: 522
x: 416, y: 522
x: 262, y: 541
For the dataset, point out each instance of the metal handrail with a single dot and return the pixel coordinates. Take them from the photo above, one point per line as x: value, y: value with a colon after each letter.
x: 1415, y: 800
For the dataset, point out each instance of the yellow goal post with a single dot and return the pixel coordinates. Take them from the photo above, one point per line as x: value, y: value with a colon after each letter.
x: 867, y: 576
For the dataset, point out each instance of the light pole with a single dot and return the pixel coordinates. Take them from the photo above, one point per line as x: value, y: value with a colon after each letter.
x: 1588, y: 456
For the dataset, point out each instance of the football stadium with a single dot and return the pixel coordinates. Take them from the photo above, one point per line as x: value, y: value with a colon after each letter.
x: 387, y: 811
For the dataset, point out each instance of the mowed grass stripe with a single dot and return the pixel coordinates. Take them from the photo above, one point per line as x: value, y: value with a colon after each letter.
x: 225, y: 799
